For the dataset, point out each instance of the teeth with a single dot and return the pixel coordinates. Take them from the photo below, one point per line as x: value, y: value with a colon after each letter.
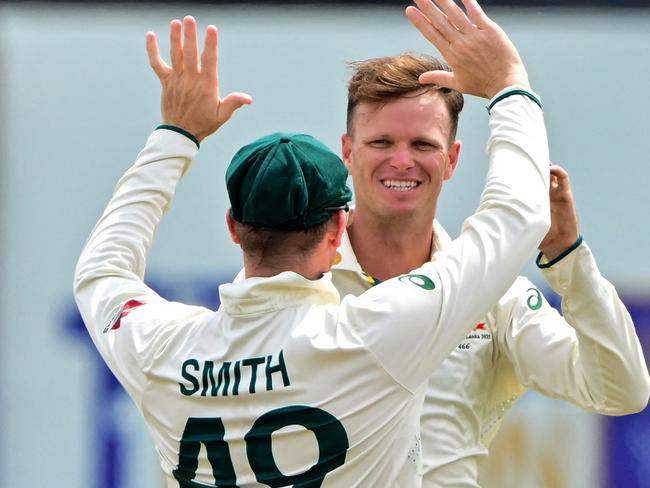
x: 400, y: 185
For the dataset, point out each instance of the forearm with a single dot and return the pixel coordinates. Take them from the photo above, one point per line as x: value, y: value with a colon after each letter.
x: 608, y: 352
x: 512, y: 217
x: 513, y: 214
x: 112, y: 263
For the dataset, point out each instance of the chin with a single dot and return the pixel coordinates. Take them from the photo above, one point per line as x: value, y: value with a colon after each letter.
x: 398, y: 210
x: 403, y: 203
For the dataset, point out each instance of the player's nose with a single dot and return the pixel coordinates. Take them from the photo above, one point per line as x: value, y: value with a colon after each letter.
x: 401, y: 158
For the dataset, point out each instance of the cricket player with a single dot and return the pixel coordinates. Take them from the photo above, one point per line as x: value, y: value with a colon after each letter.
x: 284, y: 385
x: 591, y: 356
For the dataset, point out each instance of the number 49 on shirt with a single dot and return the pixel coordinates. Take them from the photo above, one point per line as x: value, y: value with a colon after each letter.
x: 329, y: 432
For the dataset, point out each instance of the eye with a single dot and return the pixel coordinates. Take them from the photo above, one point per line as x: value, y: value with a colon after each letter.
x: 425, y: 145
x: 379, y: 143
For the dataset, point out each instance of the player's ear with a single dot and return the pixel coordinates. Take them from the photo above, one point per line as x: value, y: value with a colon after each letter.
x: 230, y: 222
x: 454, y: 156
x: 335, y: 229
x: 346, y: 149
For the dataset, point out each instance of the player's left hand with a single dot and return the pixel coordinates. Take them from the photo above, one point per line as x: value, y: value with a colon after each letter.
x: 564, y: 229
x: 190, y: 89
x: 483, y: 60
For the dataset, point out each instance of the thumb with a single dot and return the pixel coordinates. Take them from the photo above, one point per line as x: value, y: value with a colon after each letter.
x: 232, y: 102
x: 439, y: 77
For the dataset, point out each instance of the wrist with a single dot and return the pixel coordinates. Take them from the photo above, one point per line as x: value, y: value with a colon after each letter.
x: 515, y: 78
x: 182, y: 131
x: 512, y: 91
x: 553, y: 249
x: 554, y: 254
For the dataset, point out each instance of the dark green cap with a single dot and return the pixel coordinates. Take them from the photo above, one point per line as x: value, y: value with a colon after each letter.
x: 286, y: 181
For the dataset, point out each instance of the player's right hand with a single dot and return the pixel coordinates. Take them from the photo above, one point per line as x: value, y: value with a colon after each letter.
x: 190, y: 89
x: 482, y: 58
x: 564, y: 229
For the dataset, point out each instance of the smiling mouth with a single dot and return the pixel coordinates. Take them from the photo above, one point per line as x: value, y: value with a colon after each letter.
x: 400, y: 185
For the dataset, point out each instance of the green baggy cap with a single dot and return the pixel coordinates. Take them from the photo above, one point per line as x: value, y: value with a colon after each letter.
x: 286, y: 181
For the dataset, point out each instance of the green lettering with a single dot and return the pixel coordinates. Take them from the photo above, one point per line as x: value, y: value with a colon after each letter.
x: 329, y: 432
x: 208, y: 377
x: 280, y: 367
x: 210, y: 432
x: 222, y: 377
x: 253, y: 363
x: 224, y: 374
x: 235, y: 388
x: 189, y: 377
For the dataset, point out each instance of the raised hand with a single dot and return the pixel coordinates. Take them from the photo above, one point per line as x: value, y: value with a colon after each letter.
x: 482, y: 58
x: 564, y: 229
x: 190, y: 89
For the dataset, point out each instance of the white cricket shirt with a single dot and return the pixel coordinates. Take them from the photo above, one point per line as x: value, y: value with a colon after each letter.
x: 282, y: 385
x: 591, y: 357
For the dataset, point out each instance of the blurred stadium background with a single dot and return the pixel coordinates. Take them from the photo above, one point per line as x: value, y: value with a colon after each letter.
x: 77, y: 101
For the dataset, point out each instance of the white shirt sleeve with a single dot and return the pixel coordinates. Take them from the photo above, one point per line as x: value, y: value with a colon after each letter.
x: 592, y: 357
x: 411, y: 323
x: 108, y: 282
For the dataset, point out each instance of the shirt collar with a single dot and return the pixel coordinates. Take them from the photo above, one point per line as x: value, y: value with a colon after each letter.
x: 346, y: 259
x: 287, y: 289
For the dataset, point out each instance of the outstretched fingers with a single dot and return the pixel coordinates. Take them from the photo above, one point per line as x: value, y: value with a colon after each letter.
x: 433, y: 35
x: 190, y: 45
x: 437, y: 19
x: 481, y: 56
x: 455, y: 15
x: 476, y: 14
x: 426, y: 28
x: 190, y: 86
x: 176, y: 44
x: 155, y: 60
x: 209, y: 58
x: 210, y: 76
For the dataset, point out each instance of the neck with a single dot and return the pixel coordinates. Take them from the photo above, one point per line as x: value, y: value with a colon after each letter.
x: 312, y: 267
x: 389, y: 247
x: 262, y: 271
